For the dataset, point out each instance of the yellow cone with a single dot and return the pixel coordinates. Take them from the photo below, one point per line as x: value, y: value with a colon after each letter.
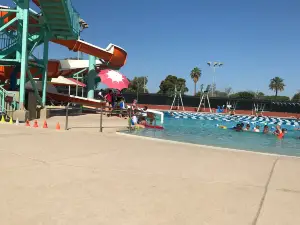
x: 2, y: 119
x: 11, y: 121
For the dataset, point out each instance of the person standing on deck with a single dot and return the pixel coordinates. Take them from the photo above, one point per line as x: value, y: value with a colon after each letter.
x: 109, y: 98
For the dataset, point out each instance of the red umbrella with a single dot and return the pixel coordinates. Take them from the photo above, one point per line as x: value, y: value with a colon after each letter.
x: 113, y: 79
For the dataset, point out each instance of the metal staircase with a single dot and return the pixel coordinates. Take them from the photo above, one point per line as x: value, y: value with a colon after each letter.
x: 21, y: 31
x: 9, y: 44
x: 61, y: 18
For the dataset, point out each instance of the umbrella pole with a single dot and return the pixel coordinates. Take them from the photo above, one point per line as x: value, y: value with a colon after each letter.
x: 101, y: 118
x: 77, y: 87
x: 130, y: 128
x: 67, y: 117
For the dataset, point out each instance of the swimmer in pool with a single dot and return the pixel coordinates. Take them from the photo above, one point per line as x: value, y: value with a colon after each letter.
x: 242, y: 125
x: 284, y: 130
x: 238, y: 127
x: 279, y: 133
x: 247, y: 127
x: 256, y: 129
x: 266, y: 129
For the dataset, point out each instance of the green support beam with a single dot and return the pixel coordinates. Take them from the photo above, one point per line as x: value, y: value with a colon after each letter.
x: 8, y: 10
x: 45, y: 71
x: 91, y: 77
x: 33, y: 85
x: 23, y: 9
x: 17, y: 46
x: 8, y: 24
x: 76, y: 76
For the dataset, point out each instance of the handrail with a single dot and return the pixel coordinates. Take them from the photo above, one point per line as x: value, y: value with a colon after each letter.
x: 6, y: 41
x: 74, y: 17
x: 3, y: 105
x: 72, y: 14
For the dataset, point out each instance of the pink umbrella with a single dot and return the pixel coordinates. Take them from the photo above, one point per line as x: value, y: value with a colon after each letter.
x: 113, y: 79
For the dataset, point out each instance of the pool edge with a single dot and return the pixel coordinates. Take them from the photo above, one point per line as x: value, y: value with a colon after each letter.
x: 208, y: 146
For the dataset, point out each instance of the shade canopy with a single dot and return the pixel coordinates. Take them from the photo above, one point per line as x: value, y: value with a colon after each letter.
x: 113, y: 79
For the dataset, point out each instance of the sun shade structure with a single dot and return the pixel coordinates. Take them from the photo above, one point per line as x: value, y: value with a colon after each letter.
x: 64, y: 81
x: 113, y: 79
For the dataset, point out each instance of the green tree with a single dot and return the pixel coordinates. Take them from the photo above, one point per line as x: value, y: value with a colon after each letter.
x: 228, y: 91
x: 137, y: 85
x: 278, y: 98
x: 195, y: 75
x: 200, y: 92
x: 221, y: 94
x: 276, y: 84
x: 167, y: 86
x: 243, y: 95
x: 259, y: 95
x: 296, y: 97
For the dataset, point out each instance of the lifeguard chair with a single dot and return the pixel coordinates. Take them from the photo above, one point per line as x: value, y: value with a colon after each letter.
x: 258, y: 109
x: 231, y: 106
x: 178, y: 97
x: 204, y: 97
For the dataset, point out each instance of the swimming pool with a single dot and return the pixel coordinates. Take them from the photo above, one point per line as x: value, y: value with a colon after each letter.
x: 200, y: 128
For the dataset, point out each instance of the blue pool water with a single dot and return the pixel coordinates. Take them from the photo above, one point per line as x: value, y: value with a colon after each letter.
x: 205, y: 131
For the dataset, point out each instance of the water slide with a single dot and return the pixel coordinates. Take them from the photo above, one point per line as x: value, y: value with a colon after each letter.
x: 113, y: 56
x: 53, y: 95
x: 56, y: 68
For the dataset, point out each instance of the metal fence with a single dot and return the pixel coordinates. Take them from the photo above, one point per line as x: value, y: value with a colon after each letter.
x: 193, y: 101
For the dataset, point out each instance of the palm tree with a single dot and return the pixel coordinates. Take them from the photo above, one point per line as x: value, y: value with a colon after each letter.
x: 195, y: 75
x: 276, y: 84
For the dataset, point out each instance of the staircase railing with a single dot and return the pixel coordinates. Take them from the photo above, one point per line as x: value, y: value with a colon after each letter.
x: 74, y: 17
x: 6, y: 41
x: 7, y: 101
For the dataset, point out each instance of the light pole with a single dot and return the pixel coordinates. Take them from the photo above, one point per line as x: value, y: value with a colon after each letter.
x: 145, y: 83
x: 214, y: 65
x: 83, y: 25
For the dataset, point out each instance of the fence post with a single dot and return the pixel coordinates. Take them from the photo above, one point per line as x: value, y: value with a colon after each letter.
x: 67, y: 117
x: 101, y: 117
x: 130, y: 118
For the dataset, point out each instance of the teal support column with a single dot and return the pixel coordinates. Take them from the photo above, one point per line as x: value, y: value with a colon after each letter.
x: 45, y: 71
x: 23, y: 10
x: 91, y: 77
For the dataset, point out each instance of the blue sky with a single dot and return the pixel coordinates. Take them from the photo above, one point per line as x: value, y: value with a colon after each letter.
x: 257, y: 40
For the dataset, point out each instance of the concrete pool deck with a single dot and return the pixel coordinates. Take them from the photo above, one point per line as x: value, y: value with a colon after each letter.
x: 82, y: 176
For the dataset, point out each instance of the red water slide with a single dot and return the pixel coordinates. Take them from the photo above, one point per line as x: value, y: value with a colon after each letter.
x: 113, y: 55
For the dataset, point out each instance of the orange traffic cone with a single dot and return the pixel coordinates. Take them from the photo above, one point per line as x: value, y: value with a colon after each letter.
x: 57, y: 126
x: 45, y: 124
x: 27, y: 124
x: 35, y: 125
